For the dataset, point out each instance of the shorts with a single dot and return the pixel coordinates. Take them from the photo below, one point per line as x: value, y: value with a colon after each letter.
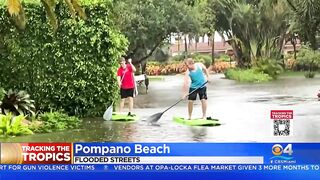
x: 126, y: 93
x: 202, y: 94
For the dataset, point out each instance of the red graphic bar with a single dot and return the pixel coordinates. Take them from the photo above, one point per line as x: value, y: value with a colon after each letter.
x: 36, y: 153
x: 281, y: 114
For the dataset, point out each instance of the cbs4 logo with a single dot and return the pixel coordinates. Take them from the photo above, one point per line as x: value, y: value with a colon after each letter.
x: 278, y: 150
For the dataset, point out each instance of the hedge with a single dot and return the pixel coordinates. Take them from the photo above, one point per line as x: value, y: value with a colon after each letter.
x: 73, y: 69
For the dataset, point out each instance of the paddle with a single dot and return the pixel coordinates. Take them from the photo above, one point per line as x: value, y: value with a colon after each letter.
x: 154, y: 118
x: 108, y: 113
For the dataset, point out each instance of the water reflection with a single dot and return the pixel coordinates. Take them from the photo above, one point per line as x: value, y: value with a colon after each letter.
x: 198, y: 133
x: 282, y: 100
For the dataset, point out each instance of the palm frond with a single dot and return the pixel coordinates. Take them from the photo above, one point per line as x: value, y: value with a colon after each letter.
x: 49, y: 6
x: 17, y: 14
x: 71, y: 8
x: 14, y: 7
x: 16, y: 106
x: 77, y: 7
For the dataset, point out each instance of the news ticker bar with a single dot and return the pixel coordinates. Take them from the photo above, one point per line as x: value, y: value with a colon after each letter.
x: 160, y: 153
x: 160, y: 168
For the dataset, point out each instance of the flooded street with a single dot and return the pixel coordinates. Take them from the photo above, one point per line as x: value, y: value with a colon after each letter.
x: 243, y: 110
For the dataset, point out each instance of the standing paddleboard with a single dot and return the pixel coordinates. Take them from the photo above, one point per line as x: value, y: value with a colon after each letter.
x: 196, y: 122
x: 123, y: 117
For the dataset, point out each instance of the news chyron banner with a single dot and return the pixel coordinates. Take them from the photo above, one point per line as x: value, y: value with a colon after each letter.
x: 160, y: 157
x: 36, y: 153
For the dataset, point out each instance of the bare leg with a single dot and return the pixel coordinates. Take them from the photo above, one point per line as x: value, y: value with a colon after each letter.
x: 130, y: 104
x: 204, y: 108
x: 190, y: 108
x: 121, y: 105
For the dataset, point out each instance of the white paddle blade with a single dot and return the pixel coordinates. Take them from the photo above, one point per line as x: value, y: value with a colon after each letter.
x: 108, y: 114
x: 135, y: 92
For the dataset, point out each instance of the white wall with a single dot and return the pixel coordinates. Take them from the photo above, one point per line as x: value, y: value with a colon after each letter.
x: 205, y: 39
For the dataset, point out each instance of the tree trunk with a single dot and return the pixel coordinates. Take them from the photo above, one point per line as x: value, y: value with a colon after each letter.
x: 185, y: 44
x: 237, y: 54
x: 179, y: 43
x: 190, y: 44
x: 312, y: 38
x: 148, y: 55
x: 212, y: 50
x: 196, y: 41
x: 196, y: 46
x: 313, y: 43
x: 281, y: 46
x: 143, y: 67
x: 294, y: 49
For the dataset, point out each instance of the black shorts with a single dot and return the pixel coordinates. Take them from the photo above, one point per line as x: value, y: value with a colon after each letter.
x: 126, y: 93
x: 202, y: 94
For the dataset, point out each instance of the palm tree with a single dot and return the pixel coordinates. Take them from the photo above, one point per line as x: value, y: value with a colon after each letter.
x: 17, y: 13
x: 306, y: 15
x: 254, y: 29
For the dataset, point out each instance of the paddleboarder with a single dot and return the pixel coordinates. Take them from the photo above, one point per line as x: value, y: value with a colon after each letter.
x: 126, y: 83
x: 195, y: 76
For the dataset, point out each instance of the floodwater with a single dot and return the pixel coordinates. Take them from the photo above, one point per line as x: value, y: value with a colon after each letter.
x: 243, y: 109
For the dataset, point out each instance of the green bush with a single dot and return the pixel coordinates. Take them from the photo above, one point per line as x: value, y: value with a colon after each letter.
x: 249, y: 75
x: 177, y: 58
x: 72, y: 69
x: 268, y: 66
x: 203, y: 58
x: 308, y: 59
x: 224, y: 57
x: 2, y: 93
x: 309, y: 74
x: 55, y: 121
x: 13, y: 125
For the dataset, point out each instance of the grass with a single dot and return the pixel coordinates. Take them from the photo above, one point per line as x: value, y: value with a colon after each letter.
x: 292, y: 73
x: 156, y: 78
x: 248, y: 75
